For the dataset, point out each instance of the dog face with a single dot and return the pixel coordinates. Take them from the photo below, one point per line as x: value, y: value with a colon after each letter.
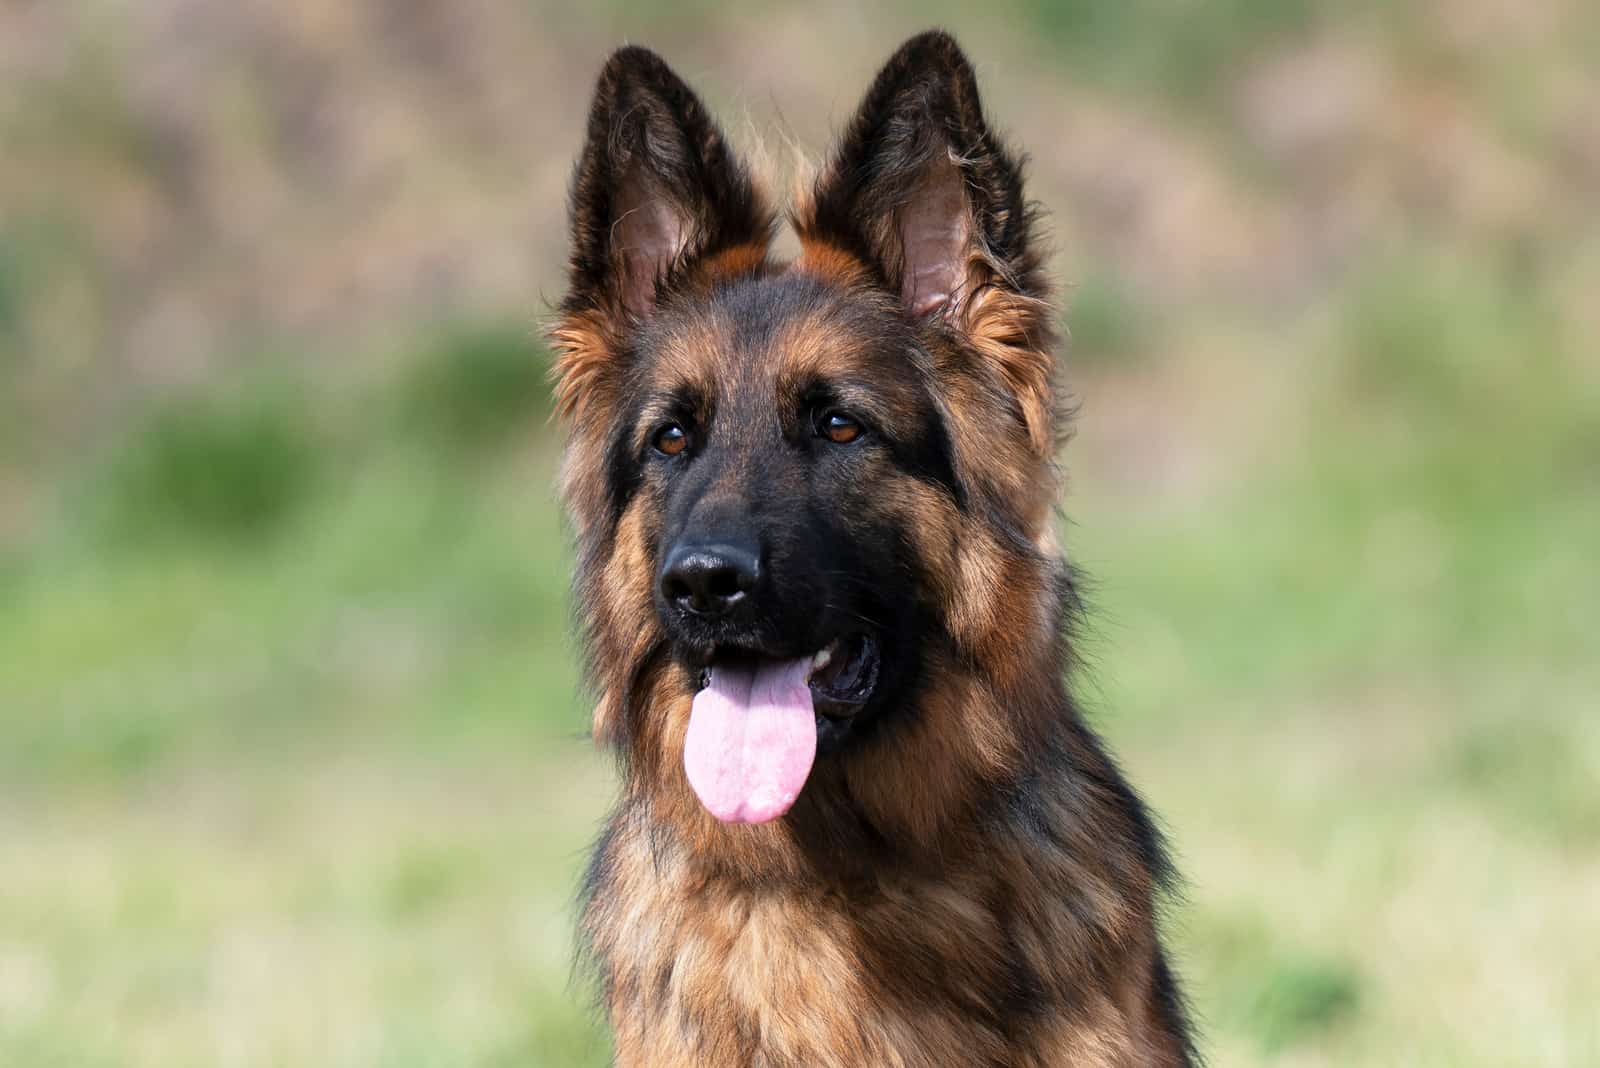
x: 775, y: 422
x: 812, y: 499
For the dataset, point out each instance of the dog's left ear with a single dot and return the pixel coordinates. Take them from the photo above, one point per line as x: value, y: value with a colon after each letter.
x: 922, y: 191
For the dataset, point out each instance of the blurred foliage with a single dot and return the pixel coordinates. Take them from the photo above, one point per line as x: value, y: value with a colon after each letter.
x: 1298, y: 999
x: 1183, y: 49
x: 477, y: 385
x: 11, y: 295
x: 1107, y: 323
x: 228, y: 469
x: 1279, y: 994
x: 291, y: 744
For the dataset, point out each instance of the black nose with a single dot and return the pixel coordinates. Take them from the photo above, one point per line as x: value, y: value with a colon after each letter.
x: 709, y: 580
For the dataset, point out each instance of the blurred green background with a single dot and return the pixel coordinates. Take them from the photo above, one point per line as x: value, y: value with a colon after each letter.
x: 292, y: 756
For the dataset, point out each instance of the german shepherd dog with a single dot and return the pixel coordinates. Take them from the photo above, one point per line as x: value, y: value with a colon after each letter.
x: 861, y: 820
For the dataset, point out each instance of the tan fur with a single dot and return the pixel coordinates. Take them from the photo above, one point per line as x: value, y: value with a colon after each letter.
x: 826, y: 260
x: 830, y: 978
x: 1011, y: 331
x: 704, y: 967
x: 584, y: 357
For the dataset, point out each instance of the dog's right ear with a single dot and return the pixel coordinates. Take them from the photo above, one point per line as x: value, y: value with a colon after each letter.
x: 922, y: 191
x: 656, y: 193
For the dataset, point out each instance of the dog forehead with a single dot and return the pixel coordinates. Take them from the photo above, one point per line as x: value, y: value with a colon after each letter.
x: 784, y: 331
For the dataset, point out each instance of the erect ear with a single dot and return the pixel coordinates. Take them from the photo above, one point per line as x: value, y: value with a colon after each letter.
x: 656, y: 191
x: 922, y: 191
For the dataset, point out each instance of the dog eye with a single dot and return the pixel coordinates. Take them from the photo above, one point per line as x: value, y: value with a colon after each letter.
x: 838, y: 428
x: 670, y: 440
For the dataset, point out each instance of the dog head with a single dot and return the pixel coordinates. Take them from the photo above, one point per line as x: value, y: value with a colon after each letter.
x: 813, y: 500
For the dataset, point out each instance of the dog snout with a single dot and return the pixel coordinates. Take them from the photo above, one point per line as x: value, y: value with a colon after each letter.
x: 710, y: 580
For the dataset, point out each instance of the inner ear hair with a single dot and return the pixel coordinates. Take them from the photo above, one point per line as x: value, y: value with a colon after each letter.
x: 649, y: 235
x: 936, y: 238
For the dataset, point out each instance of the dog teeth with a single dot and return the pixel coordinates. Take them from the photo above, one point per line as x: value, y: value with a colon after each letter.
x: 821, y: 660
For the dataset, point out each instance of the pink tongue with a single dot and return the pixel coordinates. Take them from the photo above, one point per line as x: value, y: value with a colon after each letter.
x: 752, y: 737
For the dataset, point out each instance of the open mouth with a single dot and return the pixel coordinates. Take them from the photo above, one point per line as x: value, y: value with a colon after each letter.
x: 754, y: 725
x: 843, y: 676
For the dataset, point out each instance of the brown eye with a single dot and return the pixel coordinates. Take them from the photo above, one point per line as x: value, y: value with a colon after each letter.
x: 839, y: 428
x: 671, y: 440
